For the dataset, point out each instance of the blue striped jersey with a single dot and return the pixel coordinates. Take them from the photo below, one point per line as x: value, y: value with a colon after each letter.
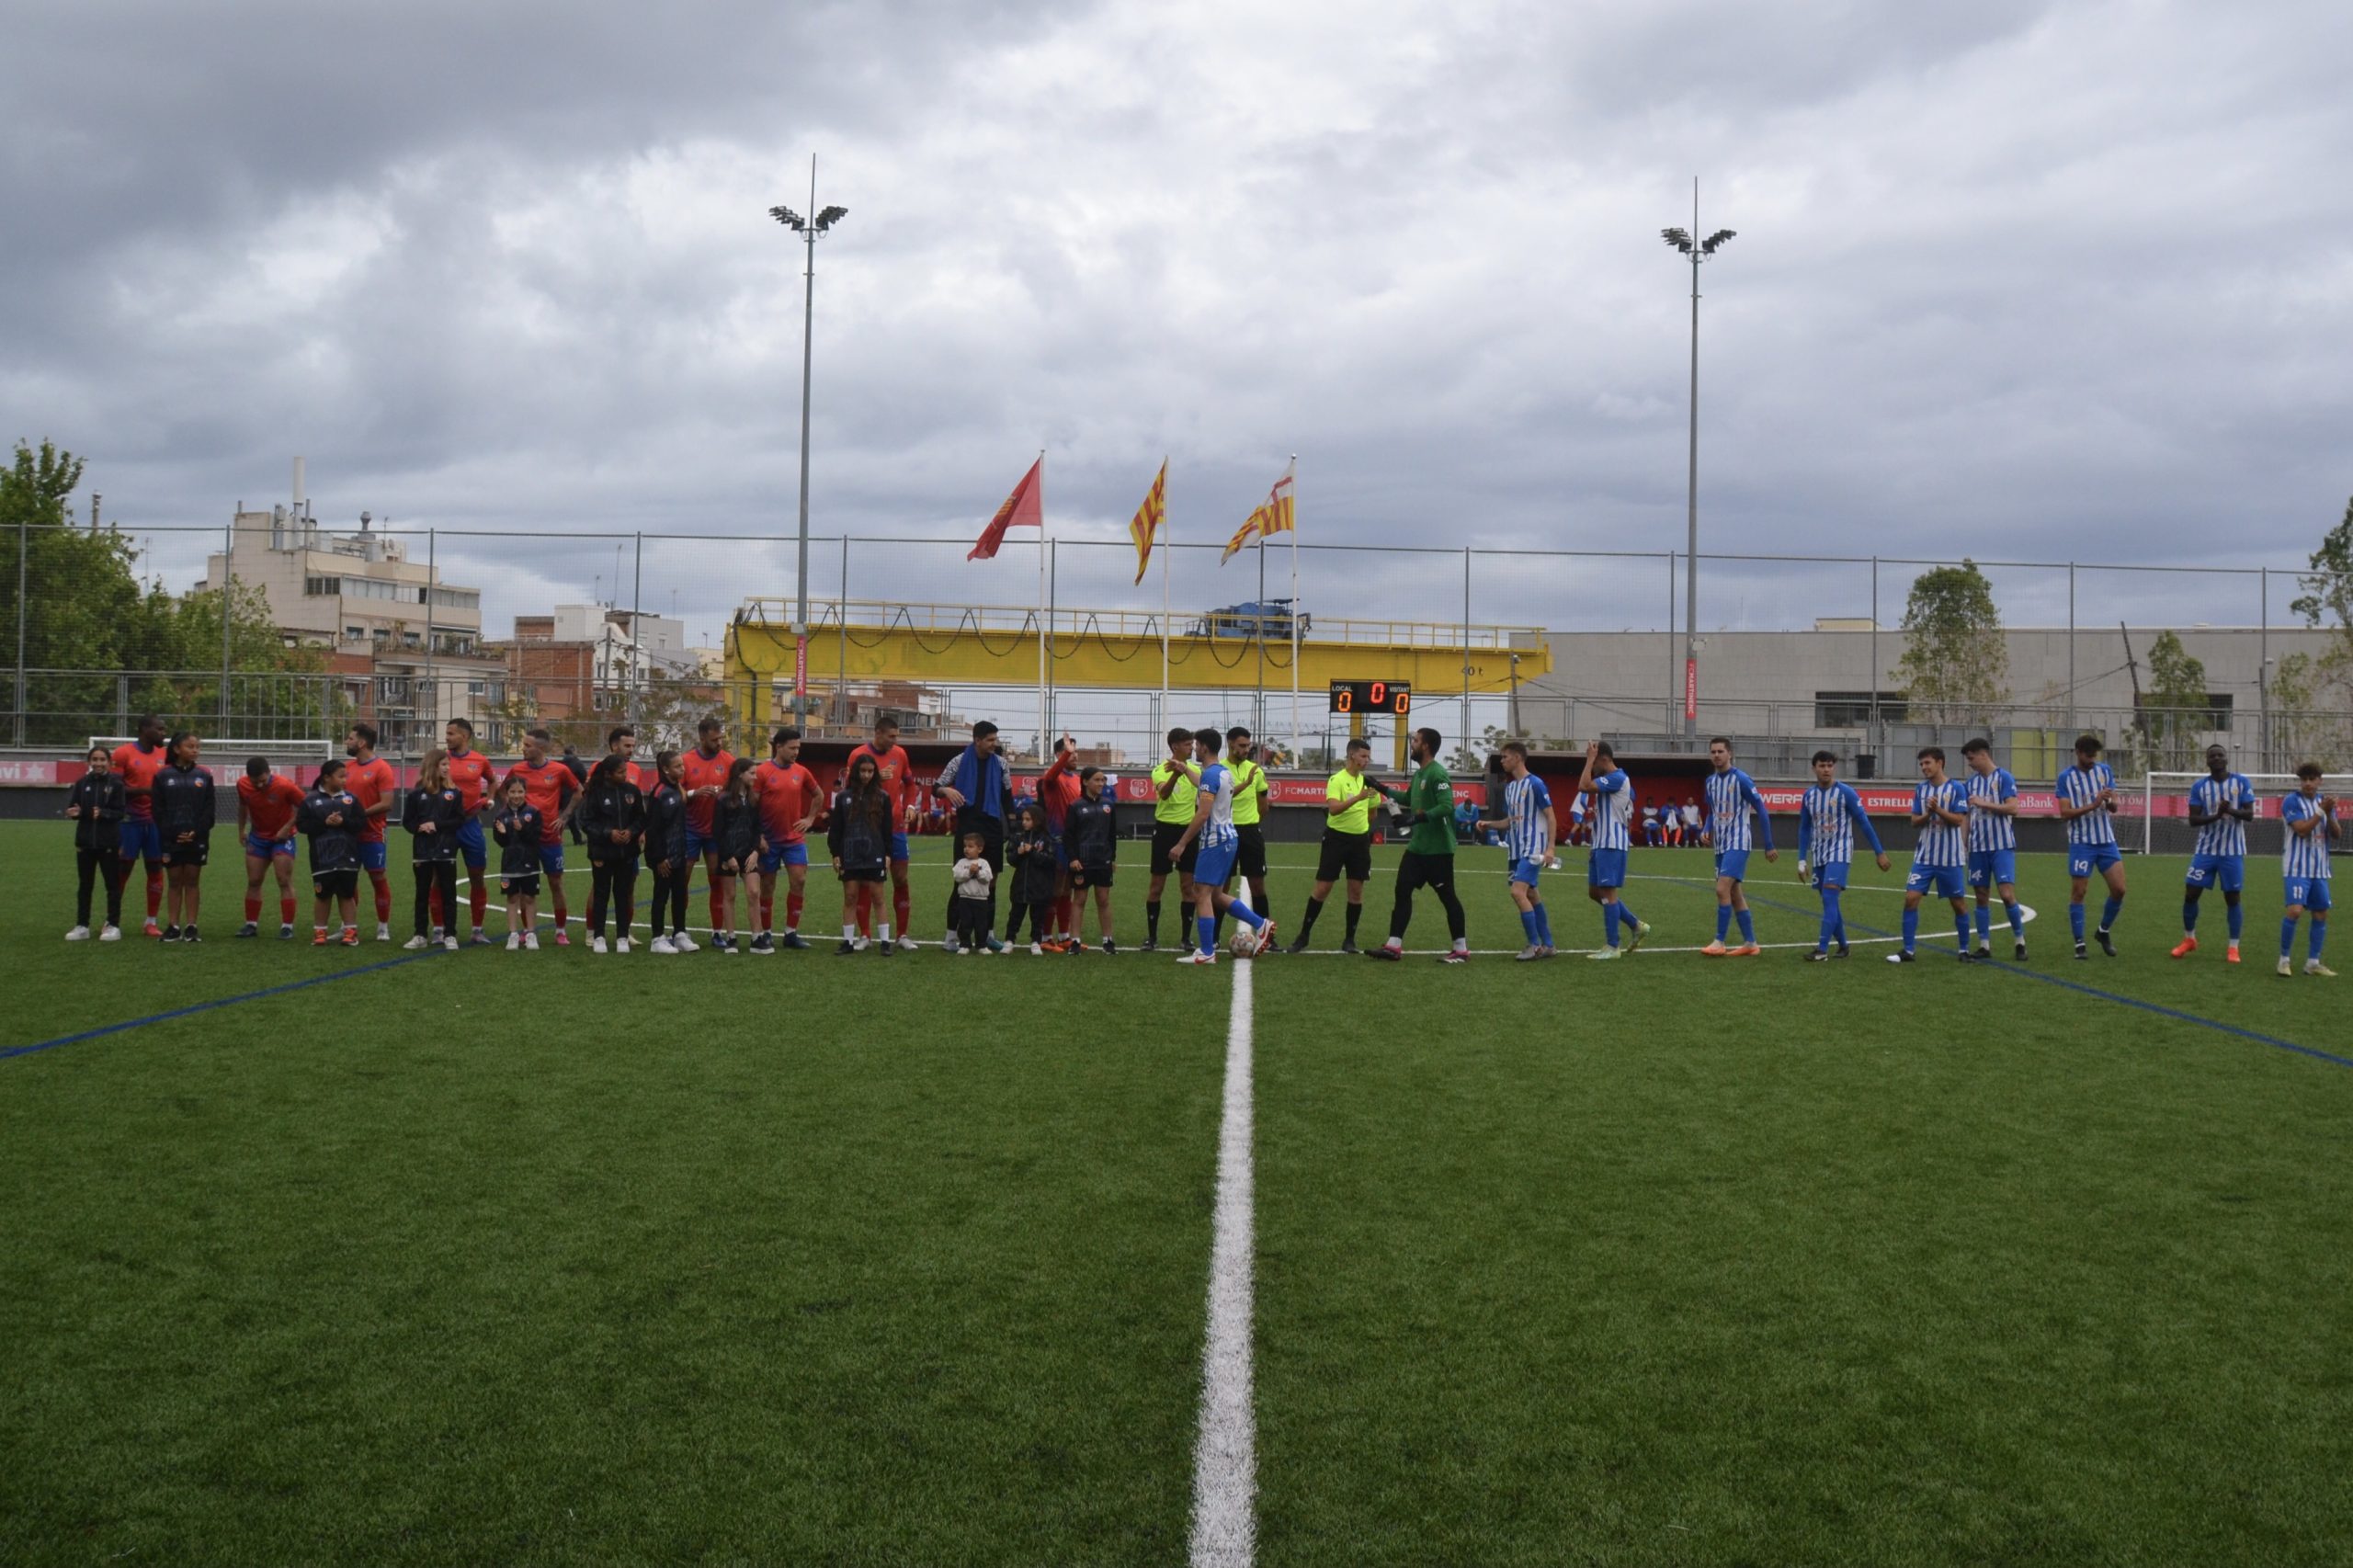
x: 1731, y: 796
x: 1991, y: 830
x: 1218, y: 782
x: 1830, y: 811
x: 1525, y: 801
x: 1613, y: 807
x: 2081, y: 786
x: 2224, y: 836
x: 1942, y: 842
x: 2307, y: 854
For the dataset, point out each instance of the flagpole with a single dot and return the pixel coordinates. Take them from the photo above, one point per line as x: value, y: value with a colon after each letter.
x: 1259, y: 714
x: 1294, y: 608
x: 1168, y: 548
x: 1041, y: 604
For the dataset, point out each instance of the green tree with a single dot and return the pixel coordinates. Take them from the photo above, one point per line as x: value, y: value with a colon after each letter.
x: 1955, y: 668
x: 2320, y: 693
x: 2175, y: 707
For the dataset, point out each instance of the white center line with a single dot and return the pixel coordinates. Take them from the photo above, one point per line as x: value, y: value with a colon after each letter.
x: 1225, y: 1462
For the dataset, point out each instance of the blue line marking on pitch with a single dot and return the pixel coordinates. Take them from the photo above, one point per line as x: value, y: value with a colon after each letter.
x: 2075, y: 985
x: 217, y: 1002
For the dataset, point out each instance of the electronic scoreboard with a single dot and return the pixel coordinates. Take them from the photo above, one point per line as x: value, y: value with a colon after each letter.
x: 1372, y: 697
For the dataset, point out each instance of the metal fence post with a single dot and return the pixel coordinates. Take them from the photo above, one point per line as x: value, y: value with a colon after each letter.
x: 641, y: 667
x: 1878, y: 738
x: 417, y: 719
x: 2072, y: 695
x: 2263, y: 664
x: 1674, y: 671
x: 841, y: 642
x: 228, y: 587
x: 1467, y: 750
x: 24, y: 610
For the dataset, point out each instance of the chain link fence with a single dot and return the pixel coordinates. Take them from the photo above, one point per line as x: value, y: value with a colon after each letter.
x: 578, y: 631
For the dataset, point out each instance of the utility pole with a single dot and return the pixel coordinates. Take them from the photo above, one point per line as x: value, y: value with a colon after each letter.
x: 808, y: 230
x: 1699, y: 250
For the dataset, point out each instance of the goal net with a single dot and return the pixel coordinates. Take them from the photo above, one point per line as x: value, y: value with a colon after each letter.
x: 2164, y: 811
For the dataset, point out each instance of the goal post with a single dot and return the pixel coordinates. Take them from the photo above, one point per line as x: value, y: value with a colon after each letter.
x: 2164, y: 809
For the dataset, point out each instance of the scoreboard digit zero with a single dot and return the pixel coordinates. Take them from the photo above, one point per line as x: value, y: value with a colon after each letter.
x: 1372, y: 697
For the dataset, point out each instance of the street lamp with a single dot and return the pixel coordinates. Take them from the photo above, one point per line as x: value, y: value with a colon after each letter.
x: 1699, y: 251
x: 808, y: 231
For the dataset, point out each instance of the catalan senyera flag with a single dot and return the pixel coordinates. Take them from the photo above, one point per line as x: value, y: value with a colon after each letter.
x: 1274, y: 517
x: 1148, y: 518
x: 1025, y: 508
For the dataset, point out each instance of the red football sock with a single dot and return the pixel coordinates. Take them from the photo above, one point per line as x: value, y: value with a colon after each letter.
x: 478, y: 897
x: 383, y: 897
x: 433, y: 905
x: 900, y: 902
x: 767, y: 906
x: 562, y: 911
x: 866, y: 909
x: 252, y: 908
x: 718, y: 907
x: 286, y: 910
x: 154, y: 892
x: 792, y: 910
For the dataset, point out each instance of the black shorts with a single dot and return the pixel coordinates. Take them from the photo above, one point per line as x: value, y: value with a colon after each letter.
x: 186, y: 854
x: 1251, y: 860
x: 1165, y: 836
x: 520, y: 887
x: 1347, y: 855
x: 1416, y: 870
x: 336, y: 884
x: 866, y: 874
x: 1092, y: 877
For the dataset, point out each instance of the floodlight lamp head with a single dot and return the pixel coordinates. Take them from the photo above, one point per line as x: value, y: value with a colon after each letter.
x: 788, y: 217
x: 831, y: 215
x: 1677, y: 238
x: 1715, y: 241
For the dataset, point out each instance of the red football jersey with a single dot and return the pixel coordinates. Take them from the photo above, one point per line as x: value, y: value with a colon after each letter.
x: 545, y: 788
x: 269, y: 803
x: 703, y: 773
x: 471, y: 776
x: 1057, y: 789
x: 788, y: 794
x: 139, y: 768
x: 369, y: 783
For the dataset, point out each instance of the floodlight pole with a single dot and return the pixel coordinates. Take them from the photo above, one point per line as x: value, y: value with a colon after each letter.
x: 816, y: 224
x: 1691, y: 502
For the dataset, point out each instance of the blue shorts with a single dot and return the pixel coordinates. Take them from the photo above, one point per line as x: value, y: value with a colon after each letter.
x: 371, y: 855
x: 2310, y: 891
x: 898, y: 849
x: 143, y: 840
x: 1733, y: 863
x: 1525, y: 871
x: 1832, y: 875
x: 551, y: 858
x: 470, y: 843
x: 1945, y: 881
x: 262, y: 849
x: 783, y: 855
x: 1992, y: 867
x: 2226, y: 871
x: 2083, y: 859
x: 1605, y: 868
x: 1215, y: 865
x: 699, y: 845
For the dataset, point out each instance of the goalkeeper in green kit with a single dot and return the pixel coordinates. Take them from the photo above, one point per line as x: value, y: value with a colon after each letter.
x: 1429, y: 860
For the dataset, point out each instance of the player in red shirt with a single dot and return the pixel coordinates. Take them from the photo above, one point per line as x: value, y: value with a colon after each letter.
x: 548, y: 786
x: 474, y: 776
x: 371, y: 782
x: 791, y: 803
x: 896, y: 775
x: 1057, y: 791
x: 267, y: 802
x: 703, y: 781
x: 138, y: 763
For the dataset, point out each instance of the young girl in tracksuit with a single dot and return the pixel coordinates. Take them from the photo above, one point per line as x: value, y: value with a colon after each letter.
x: 735, y: 832
x: 433, y: 812
x: 665, y: 854
x: 1033, y: 868
x: 97, y: 803
x: 858, y: 837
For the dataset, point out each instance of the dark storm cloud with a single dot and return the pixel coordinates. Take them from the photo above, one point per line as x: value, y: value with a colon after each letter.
x: 2047, y: 280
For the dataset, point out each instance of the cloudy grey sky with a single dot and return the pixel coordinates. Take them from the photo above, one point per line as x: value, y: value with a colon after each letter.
x: 2025, y: 279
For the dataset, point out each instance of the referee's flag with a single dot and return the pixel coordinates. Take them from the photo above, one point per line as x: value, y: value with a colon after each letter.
x: 1274, y: 517
x: 1148, y: 518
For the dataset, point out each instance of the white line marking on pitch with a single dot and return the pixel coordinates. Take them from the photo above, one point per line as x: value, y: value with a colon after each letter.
x: 1225, y: 1462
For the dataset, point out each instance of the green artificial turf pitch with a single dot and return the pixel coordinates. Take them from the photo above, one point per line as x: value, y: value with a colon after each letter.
x: 557, y: 1258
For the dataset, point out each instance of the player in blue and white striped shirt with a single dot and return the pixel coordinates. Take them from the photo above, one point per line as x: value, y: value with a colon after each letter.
x: 1827, y: 816
x: 1993, y: 844
x: 2087, y: 805
x: 1940, y: 859
x: 1528, y: 828
x: 1605, y: 867
x: 1731, y: 798
x: 2221, y: 805
x: 2311, y: 821
x: 1212, y: 824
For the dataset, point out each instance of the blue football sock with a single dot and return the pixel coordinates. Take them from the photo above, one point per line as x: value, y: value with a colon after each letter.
x: 1208, y: 923
x: 1961, y: 927
x: 1911, y: 928
x: 1724, y: 920
x: 1611, y: 915
x: 2017, y: 919
x: 2288, y: 936
x: 1747, y: 925
x: 1247, y: 916
x: 1527, y: 927
x: 1985, y: 924
x: 1543, y: 925
x: 2319, y: 935
x: 1829, y: 917
x: 2076, y: 922
x: 1626, y: 914
x: 2236, y: 914
x: 2189, y: 917
x: 2109, y: 913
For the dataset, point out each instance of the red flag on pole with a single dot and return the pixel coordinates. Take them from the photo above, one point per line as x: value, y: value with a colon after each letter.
x: 1022, y: 509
